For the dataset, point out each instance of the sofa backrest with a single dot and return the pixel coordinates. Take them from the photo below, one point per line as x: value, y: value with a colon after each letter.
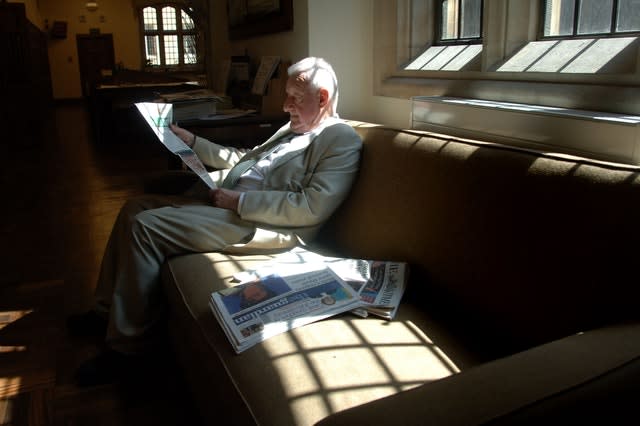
x: 537, y: 246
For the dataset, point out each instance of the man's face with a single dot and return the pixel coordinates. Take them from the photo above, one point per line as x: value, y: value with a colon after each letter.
x: 306, y: 108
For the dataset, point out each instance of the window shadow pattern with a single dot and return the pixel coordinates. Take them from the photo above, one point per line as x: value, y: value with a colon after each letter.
x: 334, y: 364
x: 360, y: 366
x: 587, y: 56
x: 446, y: 58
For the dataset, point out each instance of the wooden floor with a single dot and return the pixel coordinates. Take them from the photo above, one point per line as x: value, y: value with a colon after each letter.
x: 60, y: 195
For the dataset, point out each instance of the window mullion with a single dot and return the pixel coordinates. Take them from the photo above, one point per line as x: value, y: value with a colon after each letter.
x: 457, y: 20
x: 614, y: 17
x: 161, y: 36
x: 178, y: 18
x: 577, y: 4
x: 437, y: 28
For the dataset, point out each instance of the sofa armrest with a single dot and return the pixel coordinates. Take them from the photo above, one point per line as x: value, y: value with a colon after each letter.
x: 556, y: 379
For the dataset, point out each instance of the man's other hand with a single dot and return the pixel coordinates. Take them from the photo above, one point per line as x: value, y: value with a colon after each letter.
x: 225, y: 198
x: 186, y: 136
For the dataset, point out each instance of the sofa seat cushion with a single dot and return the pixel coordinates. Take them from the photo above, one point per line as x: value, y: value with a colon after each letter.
x: 589, y: 378
x: 306, y: 374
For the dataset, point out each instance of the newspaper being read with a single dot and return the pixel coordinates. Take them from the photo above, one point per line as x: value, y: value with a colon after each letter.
x: 158, y: 116
x: 280, y: 299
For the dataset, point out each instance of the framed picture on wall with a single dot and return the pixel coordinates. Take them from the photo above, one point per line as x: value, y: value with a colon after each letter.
x: 251, y: 18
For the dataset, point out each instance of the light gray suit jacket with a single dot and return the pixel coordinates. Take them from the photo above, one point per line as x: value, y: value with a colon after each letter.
x: 302, y: 188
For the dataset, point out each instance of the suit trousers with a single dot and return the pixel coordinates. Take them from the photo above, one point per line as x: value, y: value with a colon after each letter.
x: 147, y: 231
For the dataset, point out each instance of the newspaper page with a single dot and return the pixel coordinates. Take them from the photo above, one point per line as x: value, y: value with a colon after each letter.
x: 379, y: 284
x: 158, y: 116
x: 279, y: 299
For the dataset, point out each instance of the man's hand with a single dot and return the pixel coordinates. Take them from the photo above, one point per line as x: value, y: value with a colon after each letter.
x: 225, y: 198
x: 186, y: 136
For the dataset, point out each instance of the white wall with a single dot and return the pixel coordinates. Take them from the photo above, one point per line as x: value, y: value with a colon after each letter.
x: 392, y: 112
x: 342, y: 33
x: 289, y: 45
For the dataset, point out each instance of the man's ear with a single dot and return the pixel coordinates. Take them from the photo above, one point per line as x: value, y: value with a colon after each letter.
x: 323, y: 96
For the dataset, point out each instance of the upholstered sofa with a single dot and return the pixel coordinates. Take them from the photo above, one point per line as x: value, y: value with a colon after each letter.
x: 521, y: 308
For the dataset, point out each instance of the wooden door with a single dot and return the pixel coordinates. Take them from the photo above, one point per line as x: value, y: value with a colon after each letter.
x: 95, y: 53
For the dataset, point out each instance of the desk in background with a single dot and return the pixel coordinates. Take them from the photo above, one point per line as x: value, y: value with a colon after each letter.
x: 240, y: 132
x: 114, y: 118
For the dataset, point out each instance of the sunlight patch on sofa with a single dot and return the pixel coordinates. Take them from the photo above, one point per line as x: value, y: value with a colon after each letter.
x: 349, y: 368
x: 303, y: 382
x: 361, y: 124
x: 7, y: 349
x: 10, y: 386
x: 543, y: 165
x: 459, y: 152
x: 298, y: 340
x: 7, y: 317
x: 338, y: 363
x: 406, y: 372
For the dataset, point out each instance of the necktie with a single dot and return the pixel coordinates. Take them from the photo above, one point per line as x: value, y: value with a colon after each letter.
x: 251, y: 159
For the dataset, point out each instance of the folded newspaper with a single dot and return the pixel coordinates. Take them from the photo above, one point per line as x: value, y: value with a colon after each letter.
x: 159, y: 116
x: 300, y: 287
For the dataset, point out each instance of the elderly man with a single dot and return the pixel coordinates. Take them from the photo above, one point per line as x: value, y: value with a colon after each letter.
x: 269, y: 198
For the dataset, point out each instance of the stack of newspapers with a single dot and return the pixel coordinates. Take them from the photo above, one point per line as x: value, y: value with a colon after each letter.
x: 300, y: 287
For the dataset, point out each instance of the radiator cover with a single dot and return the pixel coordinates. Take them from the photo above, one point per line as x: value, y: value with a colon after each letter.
x: 599, y: 135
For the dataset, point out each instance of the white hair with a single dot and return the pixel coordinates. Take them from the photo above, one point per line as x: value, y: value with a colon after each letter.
x: 320, y: 75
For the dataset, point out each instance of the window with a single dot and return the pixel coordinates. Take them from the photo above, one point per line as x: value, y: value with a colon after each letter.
x: 460, y: 21
x: 569, y: 18
x: 457, y: 42
x: 417, y: 52
x: 581, y: 37
x: 169, y: 37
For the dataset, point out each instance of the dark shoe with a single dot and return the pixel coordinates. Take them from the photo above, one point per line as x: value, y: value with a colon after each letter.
x: 89, y: 324
x: 107, y: 367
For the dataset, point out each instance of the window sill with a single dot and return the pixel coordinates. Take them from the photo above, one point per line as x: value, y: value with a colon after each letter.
x: 628, y: 79
x: 611, y: 93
